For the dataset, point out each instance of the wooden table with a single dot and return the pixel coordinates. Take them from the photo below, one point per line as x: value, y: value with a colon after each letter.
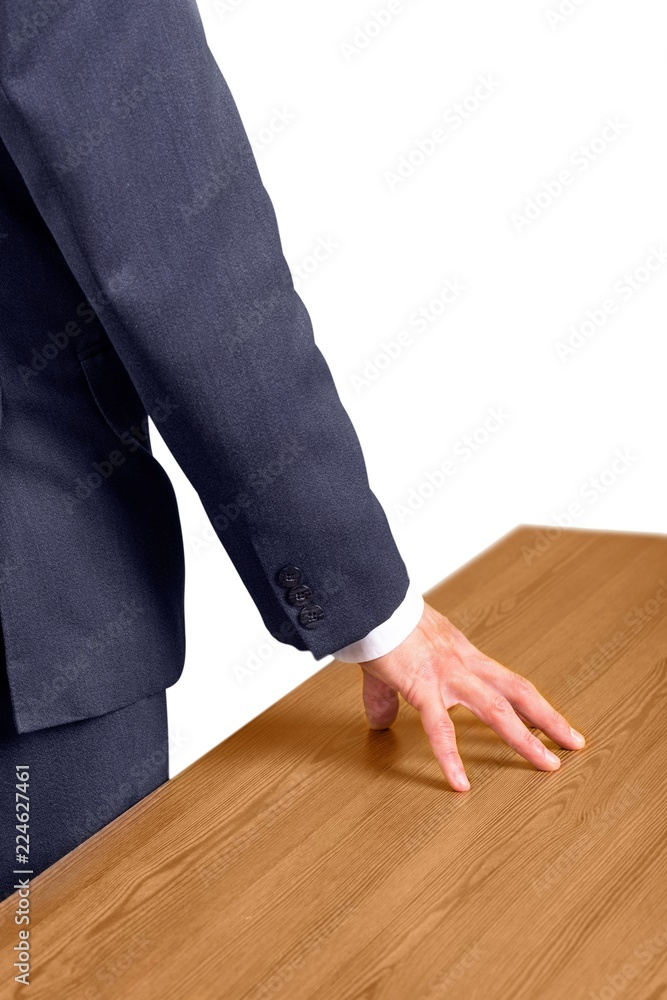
x: 308, y: 857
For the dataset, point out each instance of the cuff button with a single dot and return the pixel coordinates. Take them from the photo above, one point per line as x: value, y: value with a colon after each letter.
x: 311, y: 616
x: 290, y: 576
x: 299, y: 595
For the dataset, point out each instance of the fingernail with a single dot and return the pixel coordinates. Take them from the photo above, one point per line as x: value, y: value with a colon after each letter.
x: 462, y: 781
x: 551, y: 757
x: 577, y: 737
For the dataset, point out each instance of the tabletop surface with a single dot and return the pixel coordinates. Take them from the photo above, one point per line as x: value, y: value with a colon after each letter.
x: 307, y: 857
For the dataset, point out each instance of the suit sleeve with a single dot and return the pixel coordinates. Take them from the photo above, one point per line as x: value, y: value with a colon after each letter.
x: 133, y: 149
x: 386, y: 637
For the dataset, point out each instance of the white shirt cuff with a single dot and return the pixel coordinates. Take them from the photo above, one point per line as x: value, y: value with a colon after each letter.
x: 389, y: 634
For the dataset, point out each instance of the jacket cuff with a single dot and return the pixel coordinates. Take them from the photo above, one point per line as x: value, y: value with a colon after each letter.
x: 390, y: 634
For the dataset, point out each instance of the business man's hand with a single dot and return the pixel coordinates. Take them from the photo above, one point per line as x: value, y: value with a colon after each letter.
x: 435, y: 668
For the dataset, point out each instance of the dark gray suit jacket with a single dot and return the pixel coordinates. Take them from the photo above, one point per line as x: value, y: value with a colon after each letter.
x: 141, y: 272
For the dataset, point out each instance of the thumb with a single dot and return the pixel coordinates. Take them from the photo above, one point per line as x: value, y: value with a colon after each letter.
x: 380, y: 701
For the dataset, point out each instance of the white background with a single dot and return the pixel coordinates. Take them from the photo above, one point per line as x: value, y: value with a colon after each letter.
x: 333, y: 100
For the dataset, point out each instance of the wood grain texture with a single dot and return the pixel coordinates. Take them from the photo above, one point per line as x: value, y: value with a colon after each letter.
x: 306, y: 857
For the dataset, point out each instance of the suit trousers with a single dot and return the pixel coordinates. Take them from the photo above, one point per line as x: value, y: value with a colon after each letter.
x: 82, y: 775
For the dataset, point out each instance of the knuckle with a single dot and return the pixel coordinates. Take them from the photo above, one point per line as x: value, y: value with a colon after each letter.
x: 521, y: 686
x: 442, y: 731
x: 421, y: 685
x: 428, y: 670
x: 499, y: 707
x: 529, y: 741
x: 556, y: 719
